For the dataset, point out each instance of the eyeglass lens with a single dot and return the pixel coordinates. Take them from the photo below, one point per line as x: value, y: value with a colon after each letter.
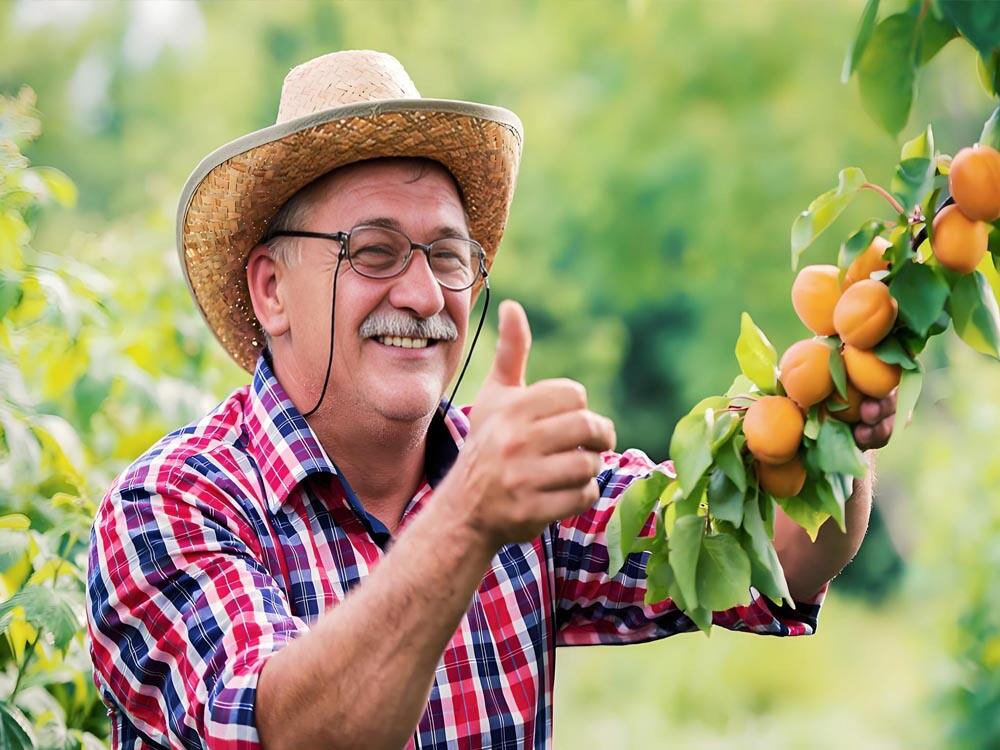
x: 379, y: 253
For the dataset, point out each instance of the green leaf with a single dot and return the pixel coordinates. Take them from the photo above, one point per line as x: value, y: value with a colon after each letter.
x: 821, y: 496
x: 858, y: 242
x: 837, y: 370
x: 728, y: 459
x: 14, y: 545
x: 906, y: 398
x: 766, y: 572
x: 659, y: 577
x: 866, y: 25
x: 742, y: 386
x: 52, y: 610
x: 685, y: 546
x: 901, y: 251
x: 978, y: 20
x: 973, y: 310
x: 11, y: 294
x: 723, y: 573
x: 804, y: 514
x: 920, y: 147
x: 756, y: 355
x: 912, y: 180
x: 766, y: 503
x: 836, y: 450
x: 16, y: 732
x: 921, y: 294
x: 724, y: 426
x: 811, y: 429
x: 630, y: 515
x: 887, y: 72
x: 701, y: 617
x: 935, y: 34
x: 915, y: 172
x: 891, y: 351
x: 991, y: 130
x: 725, y: 499
x: 691, y: 448
x: 824, y: 210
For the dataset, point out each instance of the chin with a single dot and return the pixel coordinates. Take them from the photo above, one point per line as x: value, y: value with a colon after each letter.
x: 406, y: 405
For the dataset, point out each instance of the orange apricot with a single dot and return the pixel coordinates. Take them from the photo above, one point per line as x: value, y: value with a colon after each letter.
x: 868, y: 262
x: 805, y: 372
x: 870, y: 375
x: 974, y: 182
x: 773, y: 427
x: 959, y: 243
x: 815, y: 292
x: 865, y: 313
x: 853, y: 411
x: 782, y: 480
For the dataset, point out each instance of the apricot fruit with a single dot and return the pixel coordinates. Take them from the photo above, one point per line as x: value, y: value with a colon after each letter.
x: 773, y: 427
x: 805, y: 372
x: 868, y: 262
x: 865, y: 313
x: 974, y: 182
x: 959, y: 243
x: 815, y: 292
x: 870, y: 375
x: 782, y: 480
x: 852, y: 413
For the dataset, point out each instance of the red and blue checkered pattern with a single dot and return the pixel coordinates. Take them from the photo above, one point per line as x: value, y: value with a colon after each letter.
x: 231, y: 536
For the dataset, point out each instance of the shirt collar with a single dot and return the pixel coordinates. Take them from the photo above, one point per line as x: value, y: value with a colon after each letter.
x: 287, y: 450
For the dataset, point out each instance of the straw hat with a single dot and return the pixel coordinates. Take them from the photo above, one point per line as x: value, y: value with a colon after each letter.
x: 336, y: 109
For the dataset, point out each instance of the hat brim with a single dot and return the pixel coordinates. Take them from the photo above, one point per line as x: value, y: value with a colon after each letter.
x: 232, y: 195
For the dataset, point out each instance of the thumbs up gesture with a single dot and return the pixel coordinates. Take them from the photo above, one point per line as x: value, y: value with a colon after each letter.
x: 533, y: 451
x: 506, y: 377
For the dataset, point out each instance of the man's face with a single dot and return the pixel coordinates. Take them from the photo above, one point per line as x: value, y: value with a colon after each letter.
x: 399, y: 383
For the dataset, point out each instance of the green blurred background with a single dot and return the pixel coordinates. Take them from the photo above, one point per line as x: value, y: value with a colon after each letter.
x: 668, y: 148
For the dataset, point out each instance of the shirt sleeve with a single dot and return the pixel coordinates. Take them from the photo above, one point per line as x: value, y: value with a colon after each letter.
x: 595, y: 608
x: 182, y: 613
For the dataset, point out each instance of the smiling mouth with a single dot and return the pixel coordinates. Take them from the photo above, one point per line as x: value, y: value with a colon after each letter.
x: 405, y: 342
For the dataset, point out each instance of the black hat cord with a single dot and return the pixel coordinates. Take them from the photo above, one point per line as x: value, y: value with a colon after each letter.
x: 333, y: 313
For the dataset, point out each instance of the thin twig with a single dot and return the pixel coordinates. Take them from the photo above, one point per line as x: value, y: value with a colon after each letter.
x: 887, y: 195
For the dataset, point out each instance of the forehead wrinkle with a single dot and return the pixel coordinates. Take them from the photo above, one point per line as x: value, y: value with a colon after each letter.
x: 388, y: 222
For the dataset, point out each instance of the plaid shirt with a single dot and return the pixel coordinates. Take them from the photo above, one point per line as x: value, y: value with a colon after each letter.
x: 230, y: 537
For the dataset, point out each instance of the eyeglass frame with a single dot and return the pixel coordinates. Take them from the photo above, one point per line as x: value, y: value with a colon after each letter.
x: 344, y: 237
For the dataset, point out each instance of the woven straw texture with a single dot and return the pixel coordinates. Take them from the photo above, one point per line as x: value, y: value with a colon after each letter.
x: 337, y: 109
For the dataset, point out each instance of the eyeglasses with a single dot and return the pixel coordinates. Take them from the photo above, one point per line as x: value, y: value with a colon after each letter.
x: 381, y: 253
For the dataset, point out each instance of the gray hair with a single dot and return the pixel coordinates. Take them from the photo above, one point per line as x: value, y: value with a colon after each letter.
x: 292, y: 215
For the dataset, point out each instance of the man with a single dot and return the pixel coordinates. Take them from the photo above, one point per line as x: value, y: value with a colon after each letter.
x: 334, y: 557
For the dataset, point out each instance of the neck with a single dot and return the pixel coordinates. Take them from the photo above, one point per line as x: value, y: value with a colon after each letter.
x: 381, y: 458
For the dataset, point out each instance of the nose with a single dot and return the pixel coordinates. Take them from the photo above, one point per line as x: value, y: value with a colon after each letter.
x: 416, y: 289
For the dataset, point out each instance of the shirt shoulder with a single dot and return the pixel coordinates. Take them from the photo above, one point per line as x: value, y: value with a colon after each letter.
x: 210, y: 451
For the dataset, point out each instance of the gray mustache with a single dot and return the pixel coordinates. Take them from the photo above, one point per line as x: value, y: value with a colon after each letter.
x: 437, y: 327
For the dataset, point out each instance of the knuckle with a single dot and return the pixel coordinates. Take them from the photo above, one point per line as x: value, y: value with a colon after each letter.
x: 575, y: 391
x: 588, y: 496
x: 583, y: 466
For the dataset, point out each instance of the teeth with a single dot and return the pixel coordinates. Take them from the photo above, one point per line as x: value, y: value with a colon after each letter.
x: 402, y: 342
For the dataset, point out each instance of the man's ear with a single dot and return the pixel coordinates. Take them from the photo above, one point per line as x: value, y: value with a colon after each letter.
x: 263, y: 277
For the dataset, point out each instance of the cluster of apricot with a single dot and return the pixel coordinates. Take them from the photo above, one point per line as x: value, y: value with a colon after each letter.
x: 861, y: 312
x: 960, y: 238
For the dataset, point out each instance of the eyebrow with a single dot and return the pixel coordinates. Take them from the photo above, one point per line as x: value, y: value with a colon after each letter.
x: 387, y: 222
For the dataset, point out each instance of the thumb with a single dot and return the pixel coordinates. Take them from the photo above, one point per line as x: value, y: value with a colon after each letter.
x: 513, y: 345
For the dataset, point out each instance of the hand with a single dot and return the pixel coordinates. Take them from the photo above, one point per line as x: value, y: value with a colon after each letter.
x: 533, y: 451
x: 877, y: 419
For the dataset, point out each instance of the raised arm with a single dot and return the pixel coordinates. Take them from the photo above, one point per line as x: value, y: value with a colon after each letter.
x: 362, y: 676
